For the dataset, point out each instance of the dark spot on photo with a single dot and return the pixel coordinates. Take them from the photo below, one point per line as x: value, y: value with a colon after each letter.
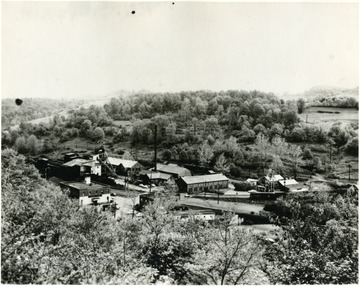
x: 133, y: 12
x: 18, y: 101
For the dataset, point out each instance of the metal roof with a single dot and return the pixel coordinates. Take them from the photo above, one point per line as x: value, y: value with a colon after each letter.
x: 288, y: 182
x: 204, y: 178
x: 158, y: 175
x: 76, y: 162
x: 118, y: 162
x: 274, y: 178
x: 171, y: 168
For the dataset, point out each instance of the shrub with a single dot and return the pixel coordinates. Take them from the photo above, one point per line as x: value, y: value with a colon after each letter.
x: 235, y: 171
x: 307, y: 154
x: 352, y: 147
x: 242, y: 186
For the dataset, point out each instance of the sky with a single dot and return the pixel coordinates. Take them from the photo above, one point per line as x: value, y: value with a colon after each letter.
x: 86, y: 49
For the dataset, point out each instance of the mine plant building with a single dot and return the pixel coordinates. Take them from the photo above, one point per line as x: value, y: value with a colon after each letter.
x: 79, y: 167
x: 87, y: 194
x: 152, y: 177
x: 174, y: 170
x: 197, y: 184
x: 125, y: 167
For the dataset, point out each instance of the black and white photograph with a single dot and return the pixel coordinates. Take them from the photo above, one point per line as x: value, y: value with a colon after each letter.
x: 179, y: 142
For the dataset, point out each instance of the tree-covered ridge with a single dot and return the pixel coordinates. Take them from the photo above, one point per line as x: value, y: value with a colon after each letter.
x: 227, y: 106
x: 332, y: 97
x: 218, y: 130
x: 32, y: 108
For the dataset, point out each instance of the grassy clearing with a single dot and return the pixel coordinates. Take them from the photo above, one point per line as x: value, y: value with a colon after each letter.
x: 326, y: 119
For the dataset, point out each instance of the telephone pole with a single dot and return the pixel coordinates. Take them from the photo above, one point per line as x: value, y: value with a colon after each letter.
x: 155, y: 141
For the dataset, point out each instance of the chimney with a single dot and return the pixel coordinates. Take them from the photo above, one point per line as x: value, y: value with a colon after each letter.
x: 87, y: 179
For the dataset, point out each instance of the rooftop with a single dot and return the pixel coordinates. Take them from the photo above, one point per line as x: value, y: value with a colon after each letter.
x: 119, y: 161
x: 76, y: 162
x: 171, y: 168
x: 204, y: 178
x: 158, y: 175
x: 274, y: 178
x: 82, y: 186
x: 288, y: 182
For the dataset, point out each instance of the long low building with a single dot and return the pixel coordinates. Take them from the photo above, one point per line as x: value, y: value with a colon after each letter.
x: 197, y: 184
x: 174, y: 170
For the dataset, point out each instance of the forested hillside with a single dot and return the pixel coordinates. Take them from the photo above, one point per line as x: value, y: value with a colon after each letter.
x: 238, y: 133
x: 32, y: 108
x: 332, y: 97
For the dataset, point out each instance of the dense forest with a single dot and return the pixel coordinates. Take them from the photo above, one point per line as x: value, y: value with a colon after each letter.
x: 48, y: 239
x: 331, y: 97
x: 235, y: 132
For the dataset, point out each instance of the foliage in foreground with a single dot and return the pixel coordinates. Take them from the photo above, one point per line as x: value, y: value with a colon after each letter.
x: 319, y: 241
x: 48, y: 239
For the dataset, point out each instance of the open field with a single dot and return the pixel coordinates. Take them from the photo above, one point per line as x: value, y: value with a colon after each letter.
x: 329, y: 115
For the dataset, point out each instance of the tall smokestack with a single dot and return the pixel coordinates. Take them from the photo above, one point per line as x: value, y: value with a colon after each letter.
x: 155, y: 139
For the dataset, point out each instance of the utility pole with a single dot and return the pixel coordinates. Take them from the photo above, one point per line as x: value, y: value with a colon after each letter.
x: 349, y: 166
x: 150, y: 179
x: 218, y: 194
x: 155, y: 139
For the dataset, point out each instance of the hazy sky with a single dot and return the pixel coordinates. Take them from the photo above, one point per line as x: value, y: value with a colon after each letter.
x: 75, y: 49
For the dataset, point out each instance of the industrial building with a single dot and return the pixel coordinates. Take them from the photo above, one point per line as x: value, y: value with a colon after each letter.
x: 87, y: 193
x: 203, y: 183
x: 174, y: 170
x: 125, y: 167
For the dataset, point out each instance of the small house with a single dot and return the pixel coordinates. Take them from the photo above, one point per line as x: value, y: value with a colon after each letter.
x: 270, y: 182
x: 252, y: 182
x: 291, y: 185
